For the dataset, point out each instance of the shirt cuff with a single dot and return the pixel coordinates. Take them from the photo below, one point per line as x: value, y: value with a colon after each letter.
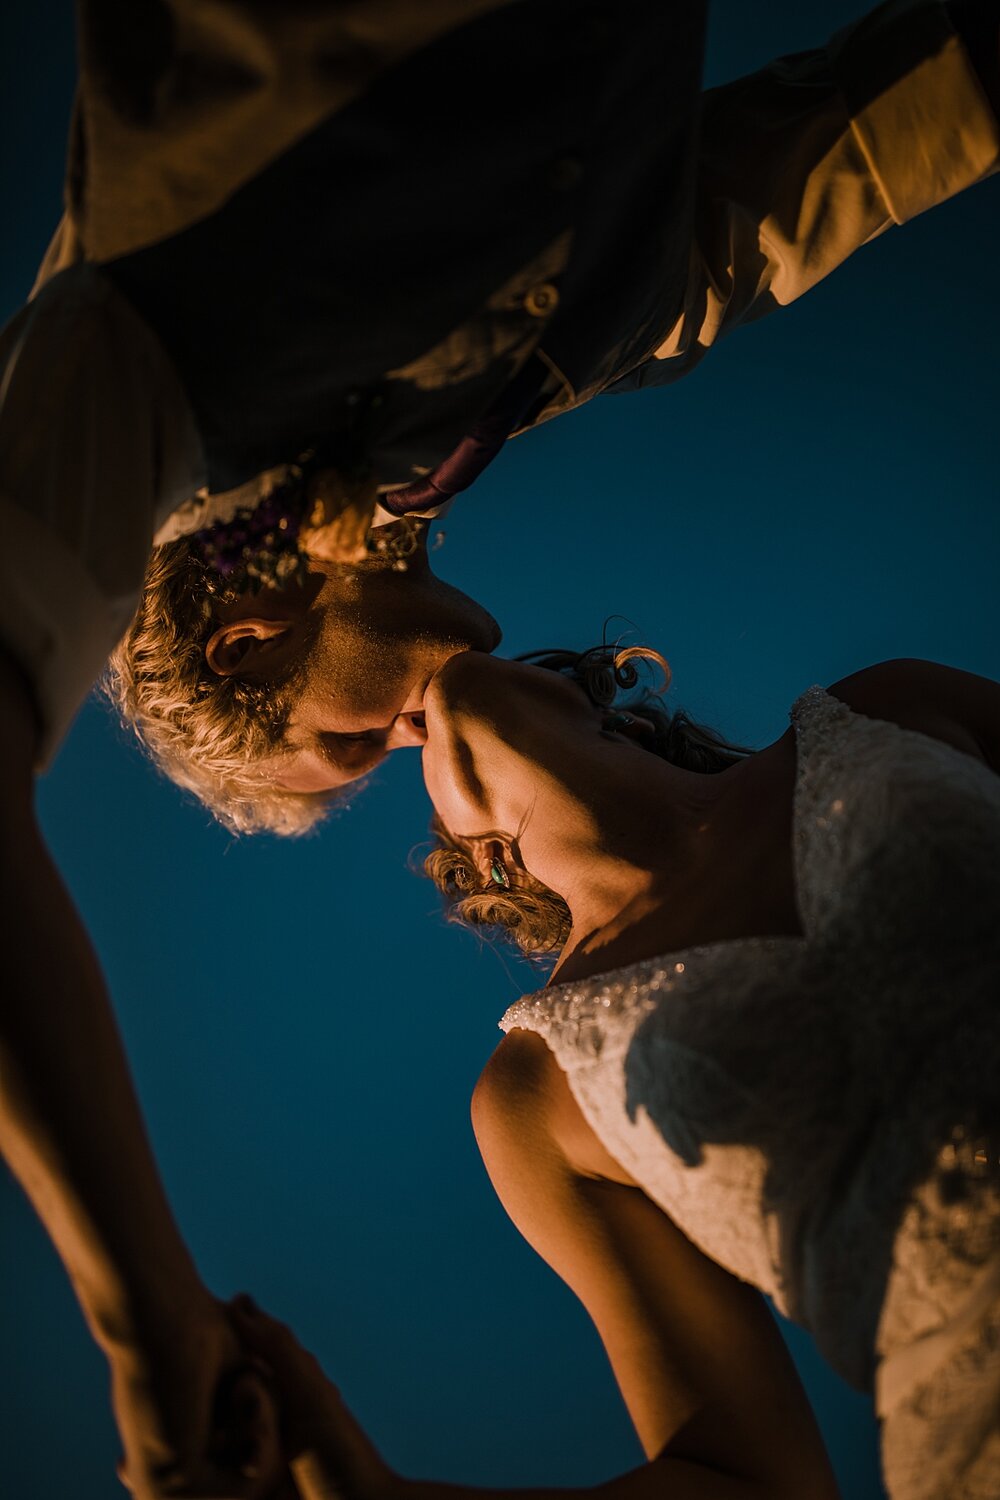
x: 383, y: 517
x: 918, y: 109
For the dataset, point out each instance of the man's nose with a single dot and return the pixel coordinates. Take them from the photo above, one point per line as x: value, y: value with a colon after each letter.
x: 407, y: 729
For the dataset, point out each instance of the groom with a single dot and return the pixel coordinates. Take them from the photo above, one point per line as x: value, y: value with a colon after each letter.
x: 650, y: 238
x: 281, y: 243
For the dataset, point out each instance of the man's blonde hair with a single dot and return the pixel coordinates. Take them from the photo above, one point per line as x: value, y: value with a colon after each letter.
x: 208, y: 733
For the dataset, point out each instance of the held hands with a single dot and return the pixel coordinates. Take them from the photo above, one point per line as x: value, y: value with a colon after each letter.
x: 198, y: 1418
x: 329, y: 1457
x: 195, y: 1417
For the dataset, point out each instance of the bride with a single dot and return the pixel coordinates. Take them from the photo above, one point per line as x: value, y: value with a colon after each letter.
x: 766, y: 1062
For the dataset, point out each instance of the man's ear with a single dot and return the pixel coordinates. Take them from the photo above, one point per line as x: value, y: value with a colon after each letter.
x: 245, y: 644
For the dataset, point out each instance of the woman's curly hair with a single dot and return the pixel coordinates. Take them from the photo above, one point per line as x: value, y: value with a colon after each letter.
x: 530, y: 915
x: 208, y: 733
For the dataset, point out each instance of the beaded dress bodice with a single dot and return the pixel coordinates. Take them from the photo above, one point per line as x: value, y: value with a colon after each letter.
x: 818, y: 1113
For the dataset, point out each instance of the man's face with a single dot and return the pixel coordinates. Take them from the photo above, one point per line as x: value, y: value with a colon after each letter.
x: 373, y: 636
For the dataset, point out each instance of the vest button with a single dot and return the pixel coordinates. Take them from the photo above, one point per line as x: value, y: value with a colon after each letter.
x: 542, y: 300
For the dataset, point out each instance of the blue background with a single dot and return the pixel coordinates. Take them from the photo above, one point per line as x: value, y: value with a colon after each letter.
x: 304, y: 1031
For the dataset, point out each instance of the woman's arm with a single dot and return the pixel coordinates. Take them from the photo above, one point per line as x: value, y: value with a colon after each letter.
x: 71, y: 1130
x: 950, y: 705
x: 699, y: 1359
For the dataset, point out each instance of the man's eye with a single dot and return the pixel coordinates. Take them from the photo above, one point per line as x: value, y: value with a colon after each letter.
x: 352, y: 752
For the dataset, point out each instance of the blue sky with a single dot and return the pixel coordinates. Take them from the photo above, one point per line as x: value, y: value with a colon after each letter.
x: 305, y: 1033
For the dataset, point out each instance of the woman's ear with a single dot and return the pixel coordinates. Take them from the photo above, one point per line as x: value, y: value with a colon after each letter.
x: 246, y: 645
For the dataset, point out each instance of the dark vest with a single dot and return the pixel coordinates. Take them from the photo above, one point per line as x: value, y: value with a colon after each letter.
x: 525, y: 180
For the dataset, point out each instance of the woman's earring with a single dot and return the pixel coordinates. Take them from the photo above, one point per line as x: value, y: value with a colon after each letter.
x: 499, y: 875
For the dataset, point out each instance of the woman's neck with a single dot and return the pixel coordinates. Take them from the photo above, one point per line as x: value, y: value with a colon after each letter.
x: 682, y: 859
x: 648, y: 840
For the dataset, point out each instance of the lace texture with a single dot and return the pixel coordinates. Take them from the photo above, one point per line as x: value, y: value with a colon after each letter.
x: 820, y: 1114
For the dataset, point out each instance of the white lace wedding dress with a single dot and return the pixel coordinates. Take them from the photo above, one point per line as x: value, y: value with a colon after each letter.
x: 821, y: 1115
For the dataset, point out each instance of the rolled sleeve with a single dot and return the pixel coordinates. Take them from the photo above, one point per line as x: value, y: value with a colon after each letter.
x: 916, y: 105
x: 807, y: 160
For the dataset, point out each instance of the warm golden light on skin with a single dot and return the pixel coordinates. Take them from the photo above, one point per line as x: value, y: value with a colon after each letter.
x: 518, y: 749
x: 321, y: 760
x: 366, y: 637
x: 340, y: 521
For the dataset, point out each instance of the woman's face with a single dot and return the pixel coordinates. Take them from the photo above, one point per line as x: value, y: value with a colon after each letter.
x: 511, y: 756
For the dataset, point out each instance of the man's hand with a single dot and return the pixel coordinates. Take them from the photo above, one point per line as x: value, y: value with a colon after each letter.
x: 329, y: 1456
x: 195, y: 1418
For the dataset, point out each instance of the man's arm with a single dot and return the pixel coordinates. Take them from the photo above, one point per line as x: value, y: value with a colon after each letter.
x: 72, y: 1133
x: 91, y: 452
x: 810, y: 158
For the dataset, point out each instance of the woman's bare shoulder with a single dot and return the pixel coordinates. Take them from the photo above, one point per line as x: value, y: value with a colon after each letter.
x: 958, y: 707
x: 526, y: 1118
